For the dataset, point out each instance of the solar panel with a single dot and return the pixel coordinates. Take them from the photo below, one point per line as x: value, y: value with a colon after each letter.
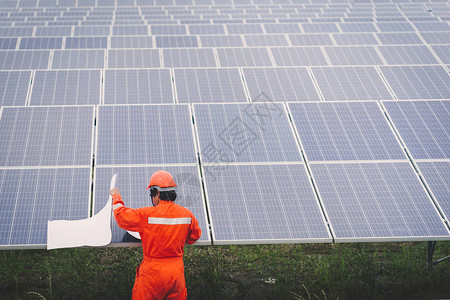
x: 53, y: 31
x: 176, y: 41
x: 206, y: 29
x: 168, y: 29
x: 350, y: 83
x: 319, y: 27
x: 282, y: 28
x: 310, y: 39
x: 221, y: 41
x: 140, y: 134
x: 66, y: 87
x: 86, y: 42
x: 129, y: 30
x: 209, y: 85
x: 21, y: 60
x: 377, y: 201
x: 240, y: 57
x: 41, y: 43
x: 357, y: 27
x: 407, y: 55
x: 280, y: 84
x: 133, y: 58
x: 332, y: 131
x: 29, y: 198
x: 436, y: 37
x: 437, y: 176
x: 8, y: 43
x: 355, y: 55
x: 298, y: 56
x: 46, y: 136
x: 423, y: 127
x: 132, y: 182
x: 131, y: 42
x: 143, y: 86
x: 91, y: 31
x: 239, y: 212
x: 78, y: 59
x: 399, y: 38
x: 244, y: 28
x: 432, y: 26
x: 418, y: 82
x: 443, y: 52
x: 14, y: 87
x: 259, y: 40
x: 394, y: 26
x: 177, y: 58
x: 355, y: 39
x: 252, y: 132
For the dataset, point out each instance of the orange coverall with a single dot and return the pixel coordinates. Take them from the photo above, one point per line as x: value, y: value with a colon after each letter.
x: 164, y: 230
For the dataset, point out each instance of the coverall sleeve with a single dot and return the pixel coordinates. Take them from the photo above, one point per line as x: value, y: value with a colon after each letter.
x: 127, y: 218
x: 194, y: 231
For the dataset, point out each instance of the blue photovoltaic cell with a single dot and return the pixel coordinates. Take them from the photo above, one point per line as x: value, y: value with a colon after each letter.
x: 176, y: 41
x: 41, y: 43
x: 46, y: 136
x: 310, y: 39
x: 436, y: 37
x: 350, y: 83
x: 143, y: 86
x: 132, y: 182
x: 8, y: 43
x: 92, y: 31
x: 133, y: 58
x: 432, y: 26
x: 399, y: 38
x: 423, y: 125
x: 357, y: 27
x: 191, y: 58
x: 17, y: 60
x: 221, y: 41
x: 418, y: 82
x: 29, y: 198
x: 345, y: 131
x: 252, y: 132
x: 355, y: 39
x: 168, y: 29
x: 206, y: 29
x: 319, y: 27
x: 209, y: 85
x: 260, y: 40
x: 140, y: 134
x: 243, y: 57
x: 437, y: 175
x: 66, y: 87
x: 130, y: 30
x: 53, y: 31
x: 78, y: 59
x: 86, y: 42
x: 14, y: 87
x: 394, y: 27
x: 282, y: 28
x: 244, y: 28
x: 131, y: 42
x: 443, y: 51
x: 362, y: 55
x: 407, y: 55
x: 298, y: 56
x: 239, y: 211
x: 367, y: 201
x: 280, y: 84
x: 16, y: 31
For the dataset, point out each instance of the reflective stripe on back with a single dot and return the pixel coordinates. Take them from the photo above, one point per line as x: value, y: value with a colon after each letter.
x: 169, y: 221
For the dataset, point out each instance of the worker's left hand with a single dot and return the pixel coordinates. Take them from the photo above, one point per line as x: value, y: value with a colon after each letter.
x: 114, y: 191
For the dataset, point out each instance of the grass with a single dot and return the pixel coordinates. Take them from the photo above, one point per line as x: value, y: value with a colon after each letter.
x: 289, y: 271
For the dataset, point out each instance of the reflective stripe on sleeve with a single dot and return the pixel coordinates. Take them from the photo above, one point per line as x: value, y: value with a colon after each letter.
x: 169, y: 221
x: 117, y: 206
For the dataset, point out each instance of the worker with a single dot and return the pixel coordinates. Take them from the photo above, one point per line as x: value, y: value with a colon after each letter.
x: 164, y: 229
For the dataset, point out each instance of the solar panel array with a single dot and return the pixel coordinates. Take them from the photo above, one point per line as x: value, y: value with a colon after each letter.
x: 281, y: 120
